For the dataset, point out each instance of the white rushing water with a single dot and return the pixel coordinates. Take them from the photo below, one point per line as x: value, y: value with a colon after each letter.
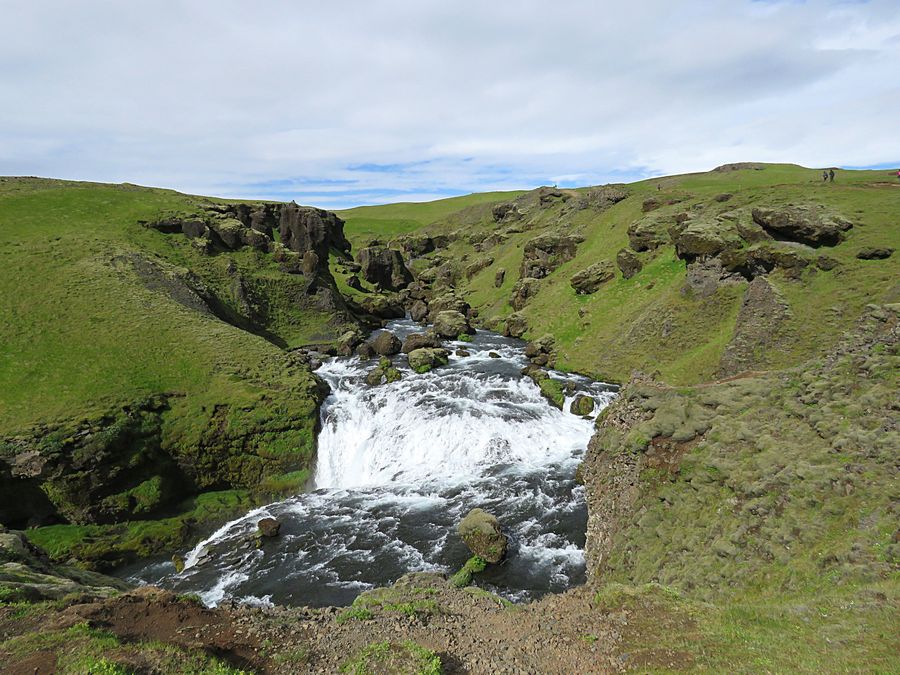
x: 398, y: 465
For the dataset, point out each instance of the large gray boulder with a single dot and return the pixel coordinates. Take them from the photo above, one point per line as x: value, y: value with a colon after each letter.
x: 420, y: 340
x: 386, y: 344
x: 805, y: 224
x: 304, y: 228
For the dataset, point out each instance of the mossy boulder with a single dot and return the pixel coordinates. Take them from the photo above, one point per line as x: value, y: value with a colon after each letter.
x: 480, y: 531
x: 450, y: 323
x: 582, y: 405
x: 589, y: 280
x: 811, y: 225
x: 383, y: 373
x: 424, y: 359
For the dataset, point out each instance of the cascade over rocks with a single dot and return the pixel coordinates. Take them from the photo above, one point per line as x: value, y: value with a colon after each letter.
x: 480, y: 531
x: 805, y: 224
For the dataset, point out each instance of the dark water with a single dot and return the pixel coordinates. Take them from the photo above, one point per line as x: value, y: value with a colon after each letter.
x: 398, y: 466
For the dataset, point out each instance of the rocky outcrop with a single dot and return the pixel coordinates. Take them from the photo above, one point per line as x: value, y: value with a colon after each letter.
x: 480, y: 531
x: 384, y: 267
x: 545, y: 253
x: 647, y: 234
x: 628, y: 262
x: 515, y: 325
x: 589, y: 280
x: 304, y: 228
x: 499, y: 277
x: 873, y: 253
x: 424, y: 359
x: 698, y: 238
x: 805, y: 224
x: 524, y: 290
x: 542, y: 352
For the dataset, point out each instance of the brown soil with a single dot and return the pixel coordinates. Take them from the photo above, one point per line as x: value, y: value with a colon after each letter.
x: 472, y: 631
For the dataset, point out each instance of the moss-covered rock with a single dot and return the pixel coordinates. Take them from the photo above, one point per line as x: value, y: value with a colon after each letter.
x: 424, y: 359
x: 480, y: 531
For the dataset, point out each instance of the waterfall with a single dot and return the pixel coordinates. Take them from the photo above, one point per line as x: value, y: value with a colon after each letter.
x: 398, y: 465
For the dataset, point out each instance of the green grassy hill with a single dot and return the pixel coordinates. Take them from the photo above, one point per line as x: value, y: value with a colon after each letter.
x: 117, y: 369
x: 650, y: 321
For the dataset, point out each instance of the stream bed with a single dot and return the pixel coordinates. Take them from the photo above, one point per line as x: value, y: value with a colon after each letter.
x: 399, y: 465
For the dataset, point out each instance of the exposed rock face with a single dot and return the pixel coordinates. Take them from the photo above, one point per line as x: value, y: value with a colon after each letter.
x: 418, y: 310
x: 589, y: 280
x: 418, y: 341
x: 416, y: 246
x: 386, y: 344
x: 304, y: 228
x: 425, y: 359
x: 447, y: 302
x: 384, y: 267
x: 503, y: 212
x: 451, y: 324
x: 523, y: 291
x: 542, y: 351
x: 759, y: 328
x: 475, y: 267
x: 480, y: 531
x: 647, y: 234
x: 268, y: 527
x: 347, y: 342
x: 544, y: 254
x: 499, y: 277
x: 870, y: 253
x: 582, y: 405
x: 807, y: 225
x: 700, y: 238
x: 628, y: 261
x: 515, y: 325
x: 383, y: 307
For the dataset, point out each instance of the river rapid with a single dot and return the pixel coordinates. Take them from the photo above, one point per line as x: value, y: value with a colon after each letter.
x: 398, y: 467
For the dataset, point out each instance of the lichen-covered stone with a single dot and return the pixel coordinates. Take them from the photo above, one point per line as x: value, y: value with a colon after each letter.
x: 480, y: 531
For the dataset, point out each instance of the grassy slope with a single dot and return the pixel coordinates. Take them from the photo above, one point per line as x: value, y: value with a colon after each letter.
x: 620, y: 329
x: 82, y: 336
x: 82, y: 333
x: 390, y: 220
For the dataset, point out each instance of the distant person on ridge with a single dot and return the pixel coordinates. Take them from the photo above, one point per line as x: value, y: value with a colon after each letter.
x: 831, y: 175
x: 898, y: 174
x: 824, y: 176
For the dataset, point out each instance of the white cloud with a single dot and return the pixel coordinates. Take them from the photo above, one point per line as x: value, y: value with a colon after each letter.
x: 283, y: 98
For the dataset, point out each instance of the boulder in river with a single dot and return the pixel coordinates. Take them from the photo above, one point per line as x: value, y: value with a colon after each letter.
x: 268, y: 527
x: 419, y: 340
x: 384, y: 372
x: 451, y: 324
x: 386, y: 344
x: 480, y: 531
x: 425, y: 359
x: 582, y: 405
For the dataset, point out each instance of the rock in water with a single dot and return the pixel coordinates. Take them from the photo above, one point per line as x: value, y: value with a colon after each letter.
x: 386, y: 344
x: 480, y: 531
x: 424, y: 359
x: 582, y: 405
x: 418, y: 341
x: 268, y: 527
x: 451, y: 324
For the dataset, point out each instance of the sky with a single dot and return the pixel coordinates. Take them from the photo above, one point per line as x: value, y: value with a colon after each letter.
x: 344, y: 103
